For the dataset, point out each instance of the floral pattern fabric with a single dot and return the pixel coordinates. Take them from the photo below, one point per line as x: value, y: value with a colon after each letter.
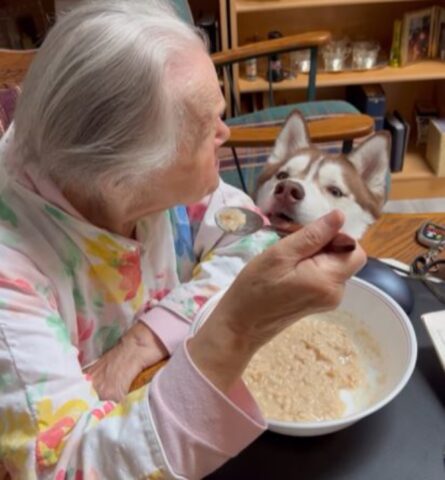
x: 68, y: 291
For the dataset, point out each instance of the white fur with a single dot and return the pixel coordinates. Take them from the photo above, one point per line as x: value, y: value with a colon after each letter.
x: 318, y: 202
x: 293, y: 137
x: 331, y: 174
x: 371, y: 161
x: 297, y: 164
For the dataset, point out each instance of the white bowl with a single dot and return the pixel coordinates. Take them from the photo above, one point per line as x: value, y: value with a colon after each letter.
x: 389, y: 326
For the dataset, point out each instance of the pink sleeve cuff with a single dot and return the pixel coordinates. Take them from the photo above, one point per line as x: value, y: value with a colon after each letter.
x: 170, y: 328
x: 199, y: 427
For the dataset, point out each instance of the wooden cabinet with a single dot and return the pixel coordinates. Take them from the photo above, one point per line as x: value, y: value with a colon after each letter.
x: 357, y: 19
x: 218, y: 9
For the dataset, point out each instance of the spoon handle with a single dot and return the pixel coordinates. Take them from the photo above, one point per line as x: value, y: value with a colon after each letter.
x: 341, y: 243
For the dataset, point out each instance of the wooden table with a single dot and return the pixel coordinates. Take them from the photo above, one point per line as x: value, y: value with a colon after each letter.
x: 394, y: 235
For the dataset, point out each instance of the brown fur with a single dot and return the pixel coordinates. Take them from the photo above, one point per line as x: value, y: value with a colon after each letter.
x: 369, y: 201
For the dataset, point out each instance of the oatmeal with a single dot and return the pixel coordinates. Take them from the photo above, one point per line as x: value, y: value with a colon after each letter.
x: 231, y: 219
x: 299, y: 375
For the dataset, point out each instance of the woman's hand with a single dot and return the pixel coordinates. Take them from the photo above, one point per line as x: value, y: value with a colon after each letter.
x: 292, y: 279
x: 115, y: 370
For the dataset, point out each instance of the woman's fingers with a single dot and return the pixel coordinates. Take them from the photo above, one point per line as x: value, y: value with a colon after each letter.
x: 341, y: 266
x: 313, y: 237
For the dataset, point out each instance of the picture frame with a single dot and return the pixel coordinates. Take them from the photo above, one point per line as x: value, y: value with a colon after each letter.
x: 5, y: 41
x: 439, y: 34
x: 9, y: 37
x: 417, y: 36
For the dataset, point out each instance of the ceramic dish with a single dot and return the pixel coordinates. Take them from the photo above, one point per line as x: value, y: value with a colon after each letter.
x: 390, y: 328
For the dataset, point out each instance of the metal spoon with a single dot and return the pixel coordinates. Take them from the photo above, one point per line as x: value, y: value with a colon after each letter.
x: 248, y: 221
x: 242, y: 221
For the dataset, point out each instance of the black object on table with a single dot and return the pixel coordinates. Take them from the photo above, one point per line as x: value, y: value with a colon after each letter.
x: 384, y: 277
x: 405, y: 440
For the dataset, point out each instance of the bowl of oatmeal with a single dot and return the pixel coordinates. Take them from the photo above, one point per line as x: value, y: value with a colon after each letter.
x: 327, y: 371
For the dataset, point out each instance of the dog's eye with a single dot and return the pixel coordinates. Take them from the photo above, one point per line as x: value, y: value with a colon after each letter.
x: 282, y: 175
x: 335, y: 191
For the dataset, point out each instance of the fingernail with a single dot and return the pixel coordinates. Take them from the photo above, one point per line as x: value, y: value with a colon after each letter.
x: 341, y: 243
x: 334, y: 219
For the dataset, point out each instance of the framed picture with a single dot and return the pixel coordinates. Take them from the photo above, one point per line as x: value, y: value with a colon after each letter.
x: 417, y: 35
x: 439, y: 36
x: 9, y: 36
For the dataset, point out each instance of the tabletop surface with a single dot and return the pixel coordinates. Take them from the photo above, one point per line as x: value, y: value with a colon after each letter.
x: 405, y: 440
x: 394, y: 235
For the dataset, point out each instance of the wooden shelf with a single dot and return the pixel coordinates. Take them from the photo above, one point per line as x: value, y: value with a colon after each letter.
x: 372, y: 18
x: 416, y: 180
x: 246, y: 6
x: 429, y: 70
x: 415, y: 167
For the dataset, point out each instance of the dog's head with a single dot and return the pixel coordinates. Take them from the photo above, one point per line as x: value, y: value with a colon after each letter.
x: 300, y: 183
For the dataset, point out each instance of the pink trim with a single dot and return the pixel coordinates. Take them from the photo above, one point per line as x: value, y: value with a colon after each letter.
x: 200, y: 428
x: 170, y: 328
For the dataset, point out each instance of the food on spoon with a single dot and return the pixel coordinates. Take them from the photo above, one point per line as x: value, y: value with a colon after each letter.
x: 231, y: 219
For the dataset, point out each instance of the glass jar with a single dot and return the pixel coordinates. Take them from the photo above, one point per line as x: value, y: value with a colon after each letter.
x: 300, y: 61
x: 251, y: 70
x: 335, y: 55
x: 364, y: 55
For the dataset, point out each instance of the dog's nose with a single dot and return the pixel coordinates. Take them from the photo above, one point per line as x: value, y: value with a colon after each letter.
x: 289, y: 191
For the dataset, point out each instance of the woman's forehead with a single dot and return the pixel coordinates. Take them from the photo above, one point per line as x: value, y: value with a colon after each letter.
x: 209, y: 91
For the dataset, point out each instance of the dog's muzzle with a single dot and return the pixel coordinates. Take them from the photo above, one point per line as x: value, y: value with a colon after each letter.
x: 289, y: 192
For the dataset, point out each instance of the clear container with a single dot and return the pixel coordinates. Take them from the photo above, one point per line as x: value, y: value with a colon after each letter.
x: 300, y: 61
x: 335, y: 55
x: 364, y: 55
x: 251, y: 70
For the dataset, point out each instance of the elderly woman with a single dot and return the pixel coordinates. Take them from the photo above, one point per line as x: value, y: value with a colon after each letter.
x: 107, y: 240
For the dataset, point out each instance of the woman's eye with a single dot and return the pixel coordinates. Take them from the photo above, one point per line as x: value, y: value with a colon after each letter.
x: 335, y: 192
x: 282, y: 175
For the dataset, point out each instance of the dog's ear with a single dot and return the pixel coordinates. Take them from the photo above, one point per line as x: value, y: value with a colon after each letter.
x: 293, y: 137
x: 371, y: 159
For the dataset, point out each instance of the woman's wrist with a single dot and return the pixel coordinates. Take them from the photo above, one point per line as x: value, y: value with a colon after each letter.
x: 141, y: 340
x: 220, y: 354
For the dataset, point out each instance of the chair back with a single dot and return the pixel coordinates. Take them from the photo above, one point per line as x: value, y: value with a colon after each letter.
x: 182, y: 7
x: 14, y: 65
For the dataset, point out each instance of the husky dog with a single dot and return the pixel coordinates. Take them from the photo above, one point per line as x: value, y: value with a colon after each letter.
x: 301, y: 182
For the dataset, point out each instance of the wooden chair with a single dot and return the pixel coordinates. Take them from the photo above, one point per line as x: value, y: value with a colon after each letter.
x: 341, y: 121
x: 14, y: 65
x: 348, y: 127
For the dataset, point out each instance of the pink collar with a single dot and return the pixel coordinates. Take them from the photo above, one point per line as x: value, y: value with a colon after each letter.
x: 43, y: 186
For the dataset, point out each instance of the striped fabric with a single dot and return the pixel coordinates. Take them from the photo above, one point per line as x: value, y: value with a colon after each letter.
x: 252, y: 160
x: 310, y: 110
x: 183, y: 9
x: 8, y: 100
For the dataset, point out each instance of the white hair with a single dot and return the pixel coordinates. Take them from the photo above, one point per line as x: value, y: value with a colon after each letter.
x: 98, y: 99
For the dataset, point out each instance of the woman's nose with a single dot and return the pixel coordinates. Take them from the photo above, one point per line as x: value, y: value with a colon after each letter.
x: 223, y: 133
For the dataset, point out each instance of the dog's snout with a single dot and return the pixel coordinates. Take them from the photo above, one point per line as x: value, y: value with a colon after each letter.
x: 289, y: 191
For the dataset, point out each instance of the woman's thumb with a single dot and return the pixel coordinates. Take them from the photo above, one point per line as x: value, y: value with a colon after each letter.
x: 313, y: 237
